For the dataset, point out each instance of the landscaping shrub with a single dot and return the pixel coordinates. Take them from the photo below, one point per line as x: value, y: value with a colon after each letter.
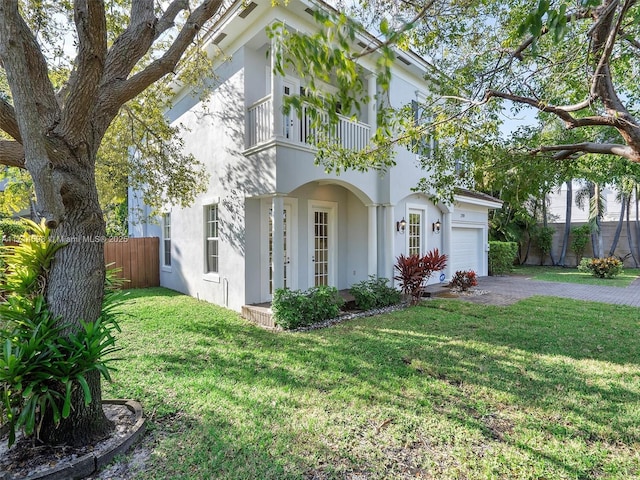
x: 464, y: 280
x: 416, y: 271
x: 374, y: 293
x: 297, y: 308
x: 601, y: 267
x: 543, y: 237
x: 579, y: 241
x: 501, y: 257
x: 11, y: 230
x: 584, y: 265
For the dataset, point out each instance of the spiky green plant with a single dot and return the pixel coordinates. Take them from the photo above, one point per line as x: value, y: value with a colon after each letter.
x: 41, y: 363
x: 28, y: 262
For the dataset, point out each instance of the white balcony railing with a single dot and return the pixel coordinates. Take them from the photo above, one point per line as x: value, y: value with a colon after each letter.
x: 348, y: 133
x: 260, y: 121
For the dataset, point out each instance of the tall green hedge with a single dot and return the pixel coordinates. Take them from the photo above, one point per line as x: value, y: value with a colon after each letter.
x: 501, y: 257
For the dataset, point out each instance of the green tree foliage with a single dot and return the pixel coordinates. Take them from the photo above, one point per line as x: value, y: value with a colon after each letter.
x: 543, y: 237
x: 573, y: 63
x: 11, y: 230
x: 141, y: 148
x: 17, y: 195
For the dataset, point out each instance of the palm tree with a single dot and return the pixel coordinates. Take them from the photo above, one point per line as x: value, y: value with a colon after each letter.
x: 567, y: 223
x: 597, y: 206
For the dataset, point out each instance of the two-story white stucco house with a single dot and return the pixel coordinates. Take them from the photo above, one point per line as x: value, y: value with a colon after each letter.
x: 270, y: 217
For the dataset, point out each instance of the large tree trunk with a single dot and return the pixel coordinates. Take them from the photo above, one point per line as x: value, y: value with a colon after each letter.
x: 75, y: 291
x: 595, y: 214
x: 545, y: 224
x: 636, y: 199
x: 632, y: 248
x: 567, y: 224
x: 616, y: 237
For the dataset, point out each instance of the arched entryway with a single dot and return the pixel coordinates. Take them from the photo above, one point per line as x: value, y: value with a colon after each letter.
x: 320, y: 233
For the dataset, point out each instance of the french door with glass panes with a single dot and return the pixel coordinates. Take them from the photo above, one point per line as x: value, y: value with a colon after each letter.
x: 287, y: 239
x: 323, y: 244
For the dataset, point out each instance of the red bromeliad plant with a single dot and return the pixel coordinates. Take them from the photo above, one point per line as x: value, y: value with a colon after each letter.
x: 464, y: 280
x: 414, y: 271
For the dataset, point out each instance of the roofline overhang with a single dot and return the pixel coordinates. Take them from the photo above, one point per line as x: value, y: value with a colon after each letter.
x: 492, y: 204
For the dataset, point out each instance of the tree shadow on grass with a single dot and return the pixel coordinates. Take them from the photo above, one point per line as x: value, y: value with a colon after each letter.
x: 292, y: 402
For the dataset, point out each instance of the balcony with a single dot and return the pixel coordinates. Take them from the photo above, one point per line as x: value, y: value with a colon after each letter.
x: 347, y: 133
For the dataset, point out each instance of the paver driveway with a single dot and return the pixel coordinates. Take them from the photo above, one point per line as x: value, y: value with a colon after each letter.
x: 504, y: 290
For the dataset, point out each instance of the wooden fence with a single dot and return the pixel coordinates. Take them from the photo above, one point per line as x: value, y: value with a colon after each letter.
x: 137, y: 257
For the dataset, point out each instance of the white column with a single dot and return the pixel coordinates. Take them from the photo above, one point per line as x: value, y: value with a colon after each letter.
x: 372, y: 259
x: 389, y: 236
x: 276, y: 92
x: 277, y: 208
x: 372, y: 110
x: 446, y: 242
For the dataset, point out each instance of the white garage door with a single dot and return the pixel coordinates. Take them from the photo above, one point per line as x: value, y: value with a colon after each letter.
x: 466, y: 249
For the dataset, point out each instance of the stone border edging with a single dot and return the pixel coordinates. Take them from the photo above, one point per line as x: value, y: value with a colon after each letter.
x: 90, y: 463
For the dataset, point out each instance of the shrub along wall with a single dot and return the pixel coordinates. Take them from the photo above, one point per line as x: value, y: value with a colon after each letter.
x: 608, y: 232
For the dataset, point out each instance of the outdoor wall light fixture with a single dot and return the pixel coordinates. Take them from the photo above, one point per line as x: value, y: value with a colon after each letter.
x: 401, y: 225
x: 436, y: 226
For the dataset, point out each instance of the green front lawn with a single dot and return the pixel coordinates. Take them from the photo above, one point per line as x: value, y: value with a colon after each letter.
x: 572, y: 275
x: 547, y: 388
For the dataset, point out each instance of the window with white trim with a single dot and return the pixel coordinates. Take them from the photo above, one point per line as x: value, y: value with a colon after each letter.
x: 212, y: 230
x: 426, y: 146
x: 166, y: 239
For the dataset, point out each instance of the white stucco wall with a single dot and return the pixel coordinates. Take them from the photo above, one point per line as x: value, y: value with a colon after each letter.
x: 243, y: 184
x: 295, y: 167
x: 215, y: 136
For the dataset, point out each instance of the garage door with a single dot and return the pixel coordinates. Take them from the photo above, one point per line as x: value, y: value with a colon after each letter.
x: 466, y: 249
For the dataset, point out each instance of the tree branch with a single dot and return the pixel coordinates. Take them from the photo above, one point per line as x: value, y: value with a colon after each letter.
x: 576, y: 15
x: 566, y: 151
x: 168, y: 17
x: 132, y: 44
x: 576, y: 107
x: 11, y: 154
x: 8, y: 122
x: 393, y: 38
x: 36, y: 108
x: 624, y: 123
x: 604, y: 35
x: 34, y: 63
x: 569, y: 120
x: 144, y: 28
x: 631, y: 41
x: 83, y: 87
x: 130, y: 88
